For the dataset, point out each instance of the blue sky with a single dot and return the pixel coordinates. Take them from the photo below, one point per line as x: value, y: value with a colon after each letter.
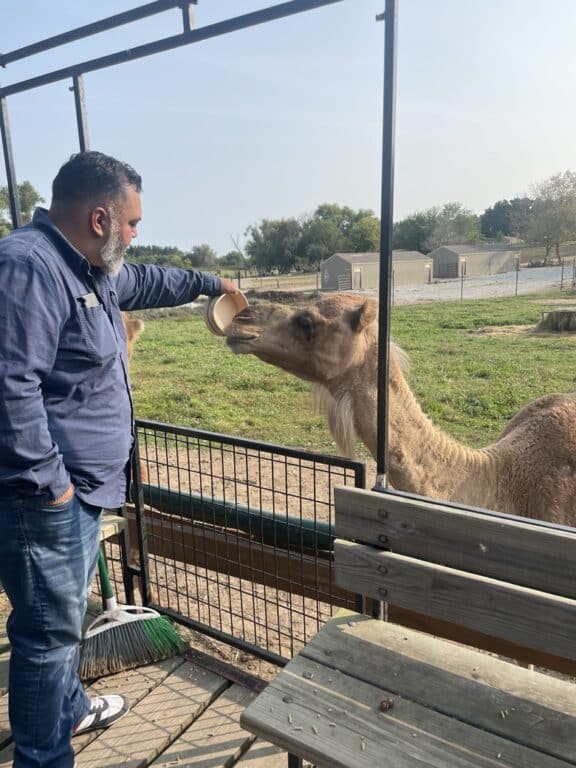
x: 272, y: 121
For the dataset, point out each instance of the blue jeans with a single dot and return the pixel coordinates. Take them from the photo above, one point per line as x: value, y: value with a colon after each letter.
x: 48, y: 557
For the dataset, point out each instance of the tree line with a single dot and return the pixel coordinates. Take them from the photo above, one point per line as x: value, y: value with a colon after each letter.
x: 546, y: 218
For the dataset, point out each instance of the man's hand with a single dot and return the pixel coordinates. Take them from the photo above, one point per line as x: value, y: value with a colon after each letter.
x: 228, y: 286
x: 66, y: 496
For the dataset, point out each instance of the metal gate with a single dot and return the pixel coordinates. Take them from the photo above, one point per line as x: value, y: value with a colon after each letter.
x: 235, y: 536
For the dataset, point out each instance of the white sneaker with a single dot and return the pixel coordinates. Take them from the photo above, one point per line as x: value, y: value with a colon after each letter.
x: 104, y: 711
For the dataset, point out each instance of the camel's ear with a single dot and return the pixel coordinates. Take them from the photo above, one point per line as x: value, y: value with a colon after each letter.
x: 363, y: 316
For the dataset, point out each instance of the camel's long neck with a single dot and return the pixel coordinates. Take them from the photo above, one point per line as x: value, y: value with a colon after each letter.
x: 425, y: 460
x: 422, y: 458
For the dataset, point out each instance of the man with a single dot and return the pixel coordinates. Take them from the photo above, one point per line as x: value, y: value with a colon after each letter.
x: 66, y: 432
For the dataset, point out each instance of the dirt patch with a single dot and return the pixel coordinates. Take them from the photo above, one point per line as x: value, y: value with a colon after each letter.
x: 558, y: 302
x: 284, y: 297
x: 517, y: 330
x: 504, y: 330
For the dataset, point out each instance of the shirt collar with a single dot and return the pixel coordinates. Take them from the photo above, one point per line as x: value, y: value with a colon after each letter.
x: 42, y: 220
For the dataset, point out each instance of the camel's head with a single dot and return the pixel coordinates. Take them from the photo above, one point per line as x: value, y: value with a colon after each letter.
x: 317, y: 342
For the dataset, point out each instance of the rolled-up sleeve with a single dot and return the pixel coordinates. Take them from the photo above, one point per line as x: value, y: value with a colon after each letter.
x: 31, y: 319
x: 143, y: 286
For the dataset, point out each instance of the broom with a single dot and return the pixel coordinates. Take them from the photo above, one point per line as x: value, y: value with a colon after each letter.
x: 124, y: 636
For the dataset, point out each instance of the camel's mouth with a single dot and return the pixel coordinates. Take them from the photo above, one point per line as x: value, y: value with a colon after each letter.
x: 241, y: 344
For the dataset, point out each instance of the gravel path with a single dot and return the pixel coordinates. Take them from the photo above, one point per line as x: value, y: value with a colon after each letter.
x: 486, y: 286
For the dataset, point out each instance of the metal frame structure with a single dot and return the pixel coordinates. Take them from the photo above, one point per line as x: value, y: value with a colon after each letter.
x: 233, y: 537
x: 189, y: 36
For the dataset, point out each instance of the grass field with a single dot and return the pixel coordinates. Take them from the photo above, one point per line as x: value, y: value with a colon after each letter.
x: 474, y: 365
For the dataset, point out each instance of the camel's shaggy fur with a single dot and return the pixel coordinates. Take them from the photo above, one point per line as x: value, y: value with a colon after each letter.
x: 133, y: 327
x: 530, y: 470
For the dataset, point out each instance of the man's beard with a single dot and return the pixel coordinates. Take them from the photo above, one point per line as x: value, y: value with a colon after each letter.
x: 112, y: 253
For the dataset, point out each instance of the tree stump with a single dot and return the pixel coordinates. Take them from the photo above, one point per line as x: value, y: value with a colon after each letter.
x: 558, y: 320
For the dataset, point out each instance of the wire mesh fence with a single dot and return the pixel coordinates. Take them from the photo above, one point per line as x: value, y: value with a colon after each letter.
x: 237, y: 536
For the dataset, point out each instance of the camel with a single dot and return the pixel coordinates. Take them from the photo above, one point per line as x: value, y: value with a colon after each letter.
x: 133, y: 327
x: 530, y: 470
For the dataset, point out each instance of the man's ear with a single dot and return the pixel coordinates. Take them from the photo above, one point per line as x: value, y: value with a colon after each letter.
x: 99, y: 221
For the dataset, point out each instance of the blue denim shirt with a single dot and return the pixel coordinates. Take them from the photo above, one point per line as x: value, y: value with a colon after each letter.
x: 65, y: 406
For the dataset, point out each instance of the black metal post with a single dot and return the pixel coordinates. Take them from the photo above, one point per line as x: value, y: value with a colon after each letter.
x: 387, y: 220
x: 111, y: 22
x: 81, y: 117
x: 138, y: 500
x: 188, y: 14
x: 235, y: 24
x: 15, y: 211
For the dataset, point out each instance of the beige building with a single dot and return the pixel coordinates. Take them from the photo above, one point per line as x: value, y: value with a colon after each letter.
x: 452, y: 261
x: 361, y: 271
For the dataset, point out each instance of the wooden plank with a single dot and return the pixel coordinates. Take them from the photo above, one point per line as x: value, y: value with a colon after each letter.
x: 528, y: 707
x: 206, y: 547
x: 202, y: 547
x: 215, y: 738
x: 262, y: 754
x: 501, y: 547
x: 111, y: 525
x: 336, y: 721
x: 155, y: 721
x: 519, y: 614
x: 135, y: 684
x: 468, y: 636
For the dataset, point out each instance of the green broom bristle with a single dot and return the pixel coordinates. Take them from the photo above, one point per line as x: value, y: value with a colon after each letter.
x: 129, y: 645
x: 163, y: 635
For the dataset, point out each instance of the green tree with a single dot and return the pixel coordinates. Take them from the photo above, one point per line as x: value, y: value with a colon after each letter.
x: 202, y: 257
x: 496, y: 221
x: 320, y: 239
x: 454, y: 224
x: 426, y: 230
x: 162, y: 256
x: 29, y: 199
x: 273, y: 244
x: 342, y: 216
x: 506, y: 218
x: 233, y: 260
x: 520, y: 214
x: 553, y: 219
x: 413, y: 232
x: 364, y: 234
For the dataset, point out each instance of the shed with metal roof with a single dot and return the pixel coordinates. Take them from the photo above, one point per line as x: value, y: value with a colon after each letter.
x: 451, y: 261
x: 361, y: 271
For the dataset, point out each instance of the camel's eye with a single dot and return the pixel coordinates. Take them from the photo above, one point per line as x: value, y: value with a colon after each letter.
x: 305, y: 324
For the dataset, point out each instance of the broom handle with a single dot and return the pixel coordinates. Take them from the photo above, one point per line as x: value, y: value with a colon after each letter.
x: 107, y: 591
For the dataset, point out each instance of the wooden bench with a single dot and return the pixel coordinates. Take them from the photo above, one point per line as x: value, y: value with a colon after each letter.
x: 112, y: 525
x: 366, y: 693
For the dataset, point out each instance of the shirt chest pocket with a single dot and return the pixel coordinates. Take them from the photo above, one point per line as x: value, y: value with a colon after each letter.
x: 98, y: 337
